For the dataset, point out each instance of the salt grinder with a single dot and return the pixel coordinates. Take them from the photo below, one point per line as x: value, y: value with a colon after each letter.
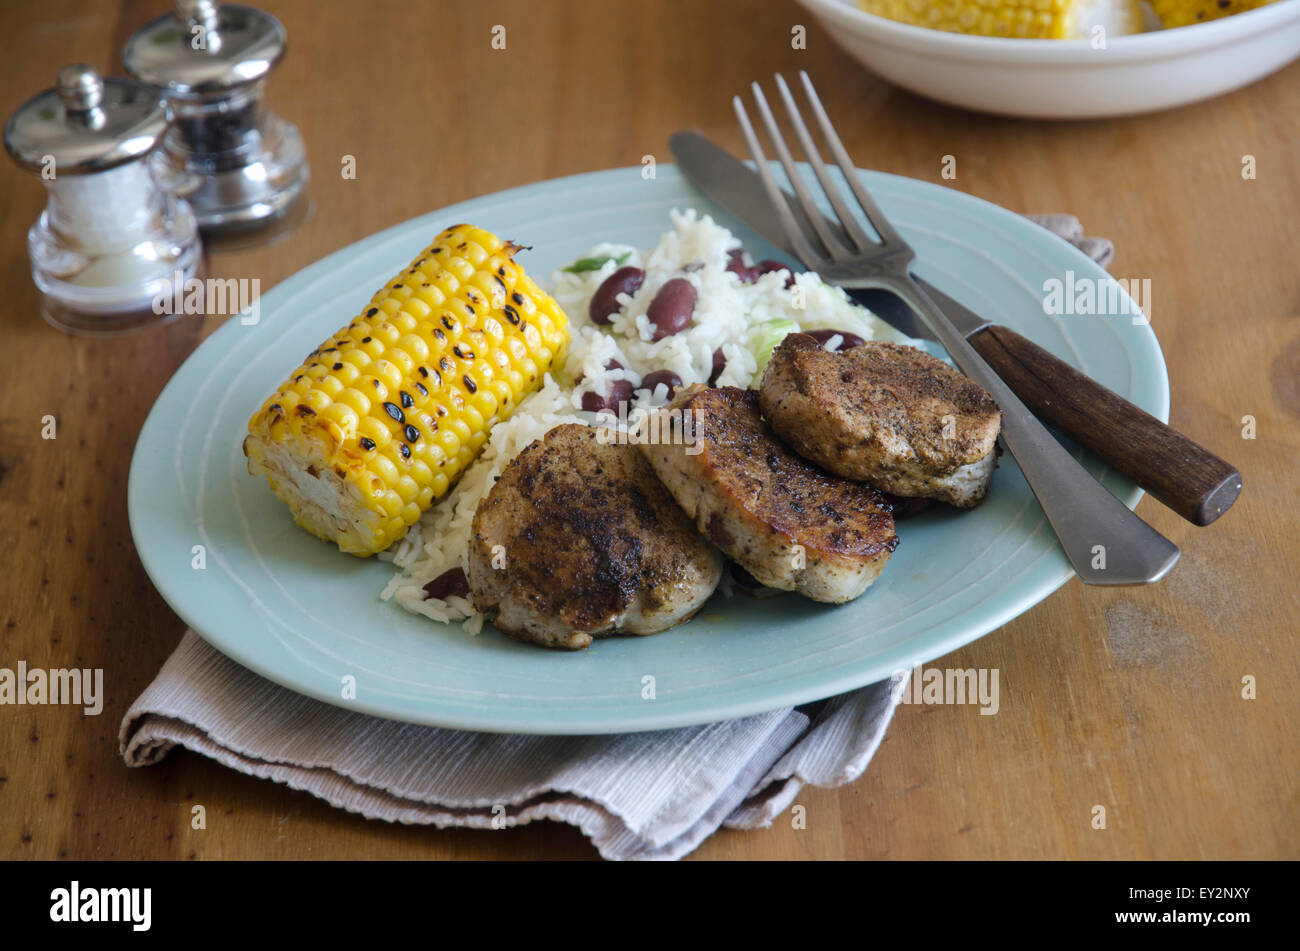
x: 111, y: 242
x: 238, y: 165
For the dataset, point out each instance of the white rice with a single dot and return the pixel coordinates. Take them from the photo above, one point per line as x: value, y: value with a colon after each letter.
x: 728, y: 315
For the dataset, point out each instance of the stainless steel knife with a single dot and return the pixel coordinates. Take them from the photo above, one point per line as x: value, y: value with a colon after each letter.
x: 1185, y: 476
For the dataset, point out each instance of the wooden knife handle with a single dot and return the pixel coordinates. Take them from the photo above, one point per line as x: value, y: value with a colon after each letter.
x: 1188, y: 478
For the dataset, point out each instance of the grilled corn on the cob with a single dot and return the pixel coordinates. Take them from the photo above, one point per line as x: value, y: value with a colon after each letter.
x: 1050, y: 19
x: 1022, y: 19
x: 381, y: 418
x: 1186, y: 12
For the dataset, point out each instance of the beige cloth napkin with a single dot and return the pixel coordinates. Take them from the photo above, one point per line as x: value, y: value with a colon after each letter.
x: 635, y: 796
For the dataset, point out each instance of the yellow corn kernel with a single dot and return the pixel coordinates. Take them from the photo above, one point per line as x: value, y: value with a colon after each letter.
x: 1020, y: 19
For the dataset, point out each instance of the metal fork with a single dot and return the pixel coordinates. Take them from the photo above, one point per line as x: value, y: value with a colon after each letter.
x: 1105, y: 542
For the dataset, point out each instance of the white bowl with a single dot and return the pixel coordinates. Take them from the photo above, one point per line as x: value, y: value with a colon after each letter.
x: 1068, y: 79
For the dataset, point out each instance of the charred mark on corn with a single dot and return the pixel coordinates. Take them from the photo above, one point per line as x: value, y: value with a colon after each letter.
x: 321, y: 417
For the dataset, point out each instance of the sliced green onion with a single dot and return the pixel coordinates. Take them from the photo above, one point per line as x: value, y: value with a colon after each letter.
x: 766, y: 338
x: 595, y: 264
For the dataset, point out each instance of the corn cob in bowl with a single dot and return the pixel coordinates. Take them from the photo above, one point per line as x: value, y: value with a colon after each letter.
x: 380, y: 420
x: 1174, y: 13
x: 1050, y: 19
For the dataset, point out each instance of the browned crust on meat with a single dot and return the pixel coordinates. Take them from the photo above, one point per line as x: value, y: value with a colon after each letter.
x: 742, y: 458
x: 883, y: 413
x: 790, y: 525
x: 588, y: 532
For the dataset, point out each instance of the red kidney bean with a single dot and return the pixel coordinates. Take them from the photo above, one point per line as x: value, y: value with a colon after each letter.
x: 768, y: 266
x: 620, y: 391
x: 672, y: 307
x: 736, y: 265
x: 604, y: 303
x: 667, y: 377
x: 719, y: 364
x: 448, y: 583
x: 848, y: 343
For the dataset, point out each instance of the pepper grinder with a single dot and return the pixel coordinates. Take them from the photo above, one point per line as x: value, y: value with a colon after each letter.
x: 240, y: 166
x: 111, y: 242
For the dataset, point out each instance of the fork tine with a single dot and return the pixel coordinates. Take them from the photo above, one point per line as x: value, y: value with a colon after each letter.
x: 877, y: 217
x: 833, y: 193
x: 836, y: 248
x: 793, y: 232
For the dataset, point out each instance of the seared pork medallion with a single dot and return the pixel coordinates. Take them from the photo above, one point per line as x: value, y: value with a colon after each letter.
x: 789, y: 524
x: 886, y: 414
x: 579, y: 540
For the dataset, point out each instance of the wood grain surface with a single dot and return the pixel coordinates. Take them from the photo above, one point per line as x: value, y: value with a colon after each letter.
x: 1127, y: 698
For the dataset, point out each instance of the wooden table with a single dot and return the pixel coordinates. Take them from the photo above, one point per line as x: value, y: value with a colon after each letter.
x: 1127, y: 698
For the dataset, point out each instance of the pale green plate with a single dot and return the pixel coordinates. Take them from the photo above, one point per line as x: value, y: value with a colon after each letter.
x: 295, y: 610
